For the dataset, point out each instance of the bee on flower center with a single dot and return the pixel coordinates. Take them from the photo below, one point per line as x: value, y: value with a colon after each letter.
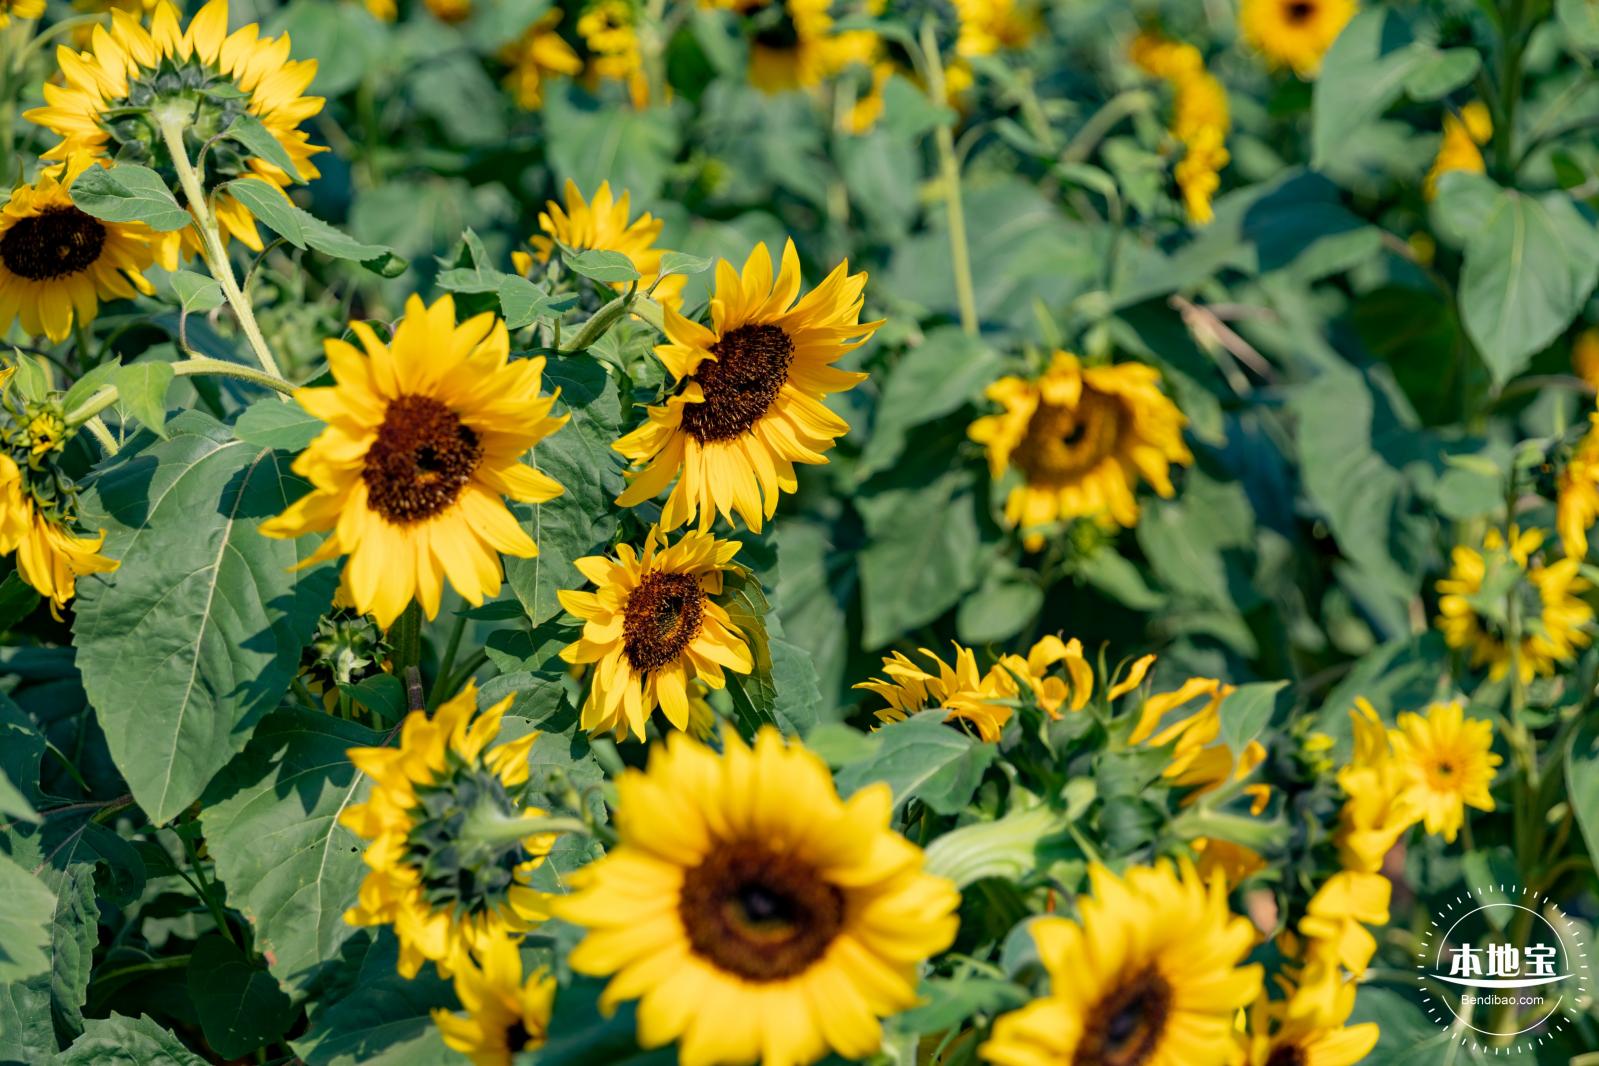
x: 663, y: 616
x: 56, y: 243
x: 421, y: 460
x: 740, y: 384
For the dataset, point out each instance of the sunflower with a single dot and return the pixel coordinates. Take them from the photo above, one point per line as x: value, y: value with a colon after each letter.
x: 213, y: 74
x: 1278, y: 1036
x: 425, y: 435
x: 1201, y: 118
x: 1378, y: 807
x: 1338, y: 914
x: 1461, y: 147
x: 652, y: 625
x: 609, y: 29
x: 1051, y: 691
x: 447, y: 893
x: 752, y: 385
x: 1200, y: 760
x: 1080, y: 438
x: 1294, y: 33
x: 1585, y: 357
x: 794, y: 45
x: 49, y: 556
x: 505, y: 1014
x: 1149, y: 976
x: 1449, y: 763
x: 538, y: 53
x: 981, y: 702
x: 602, y: 223
x: 19, y: 9
x: 1577, y: 497
x: 755, y: 915
x: 1484, y: 587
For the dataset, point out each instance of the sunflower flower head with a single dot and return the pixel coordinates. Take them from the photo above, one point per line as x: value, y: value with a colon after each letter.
x: 981, y: 702
x: 58, y: 263
x: 113, y: 95
x: 1080, y: 439
x: 794, y: 44
x: 1294, y: 33
x: 651, y: 627
x: 988, y: 27
x: 1448, y: 764
x: 609, y: 29
x: 19, y: 9
x: 1308, y: 1028
x: 1461, y: 148
x: 1149, y: 975
x: 505, y: 1013
x: 1577, y: 492
x: 603, y: 223
x: 425, y: 438
x: 447, y: 867
x: 1506, y: 587
x: 754, y: 914
x: 1056, y: 673
x: 1200, y: 760
x: 748, y: 403
x: 1378, y: 806
x: 536, y: 55
x: 1201, y: 118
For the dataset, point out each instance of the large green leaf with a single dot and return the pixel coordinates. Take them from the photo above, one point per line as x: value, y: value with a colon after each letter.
x: 271, y: 823
x: 269, y: 204
x: 120, y: 1041
x: 26, y: 906
x: 1364, y: 71
x: 589, y: 143
x: 129, y: 193
x: 74, y: 933
x: 241, y: 1007
x: 198, y: 632
x: 1582, y: 781
x: 945, y: 371
x: 383, y: 1019
x: 922, y: 758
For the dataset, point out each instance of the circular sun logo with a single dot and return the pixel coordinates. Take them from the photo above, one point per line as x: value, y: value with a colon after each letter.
x: 1498, y: 965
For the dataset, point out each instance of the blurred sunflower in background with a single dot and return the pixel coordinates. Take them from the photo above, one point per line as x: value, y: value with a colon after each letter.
x: 794, y: 44
x: 58, y: 263
x: 749, y: 402
x: 425, y: 438
x: 603, y: 223
x: 754, y: 914
x: 609, y: 29
x: 1201, y: 118
x: 1448, y: 763
x: 1576, y: 496
x: 534, y: 56
x: 1150, y: 973
x: 651, y: 628
x: 1283, y: 1032
x: 19, y: 9
x: 1080, y: 439
x: 1464, y: 136
x: 212, y: 76
x: 1294, y: 33
x: 978, y: 700
x: 505, y: 1014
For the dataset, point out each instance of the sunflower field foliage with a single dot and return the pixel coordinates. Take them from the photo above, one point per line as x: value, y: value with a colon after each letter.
x: 732, y: 532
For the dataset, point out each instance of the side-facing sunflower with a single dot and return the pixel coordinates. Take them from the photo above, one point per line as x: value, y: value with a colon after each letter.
x: 1577, y: 490
x: 1545, y: 597
x: 425, y: 436
x: 49, y: 556
x: 970, y: 699
x: 215, y: 76
x: 755, y: 915
x: 449, y: 888
x: 1200, y: 760
x: 750, y: 391
x: 19, y: 9
x: 609, y: 29
x: 57, y: 262
x: 534, y: 56
x: 602, y: 223
x: 1080, y: 439
x: 1149, y: 976
x: 1461, y: 148
x: 1294, y: 33
x: 794, y: 45
x: 652, y: 626
x: 505, y: 1014
x: 1448, y: 763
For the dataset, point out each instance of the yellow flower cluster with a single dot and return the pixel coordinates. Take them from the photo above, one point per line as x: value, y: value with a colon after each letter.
x: 1201, y: 118
x: 1464, y: 136
x: 1201, y: 761
x: 1294, y: 33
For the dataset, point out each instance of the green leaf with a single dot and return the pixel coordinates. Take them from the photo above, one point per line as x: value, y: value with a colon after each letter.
x: 250, y: 132
x: 1002, y: 607
x: 922, y: 758
x: 303, y: 230
x: 1440, y: 73
x: 1364, y: 71
x: 199, y: 631
x: 13, y: 804
x: 943, y: 373
x: 74, y: 934
x: 1246, y: 713
x: 683, y: 263
x: 122, y: 1041
x: 17, y: 600
x: 241, y: 1007
x: 582, y: 519
x: 275, y: 424
x: 587, y: 144
x: 26, y: 906
x: 1580, y: 21
x: 1006, y: 848
x: 1528, y: 271
x: 600, y: 264
x: 1582, y: 781
x: 781, y: 689
x: 583, y: 1035
x: 142, y: 392
x: 197, y: 294
x: 27, y: 1035
x: 288, y: 788
x: 129, y: 193
x: 385, y: 1020
x: 525, y: 303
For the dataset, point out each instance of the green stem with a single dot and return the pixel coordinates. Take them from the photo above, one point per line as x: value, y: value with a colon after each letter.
x: 1101, y: 122
x: 202, y: 365
x: 405, y: 636
x: 171, y: 120
x: 1515, y: 43
x: 950, y: 179
x: 91, y: 407
x: 97, y: 429
x: 602, y: 321
x: 495, y: 829
x: 447, y: 660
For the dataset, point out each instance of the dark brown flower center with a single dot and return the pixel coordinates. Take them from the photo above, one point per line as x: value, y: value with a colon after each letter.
x: 55, y: 243
x: 423, y: 457
x: 1063, y: 443
x: 741, y: 383
x: 760, y: 914
x: 1127, y: 1026
x: 662, y: 616
x: 1287, y: 1055
x: 1299, y: 12
x: 517, y: 1037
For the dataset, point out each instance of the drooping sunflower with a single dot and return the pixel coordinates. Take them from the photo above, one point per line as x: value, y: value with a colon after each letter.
x: 750, y: 391
x: 1449, y: 763
x: 652, y: 626
x: 1081, y: 438
x: 214, y: 75
x: 1461, y: 148
x: 505, y: 1014
x: 1200, y: 759
x: 755, y: 915
x: 1201, y: 118
x: 57, y: 263
x: 447, y: 893
x: 602, y: 223
x: 970, y: 698
x: 1337, y: 916
x: 533, y: 57
x: 425, y: 436
x: 1051, y: 691
x: 49, y: 556
x: 19, y: 9
x: 1577, y: 496
x: 1552, y: 618
x: 1294, y: 33
x: 1149, y: 976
